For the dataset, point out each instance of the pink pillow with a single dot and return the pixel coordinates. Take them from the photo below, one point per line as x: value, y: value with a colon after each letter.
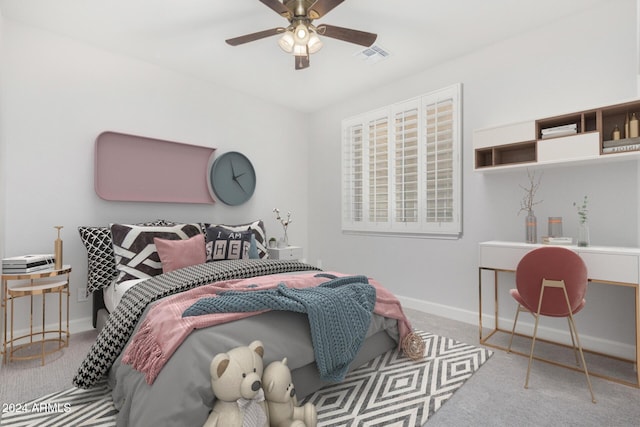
x: 175, y: 254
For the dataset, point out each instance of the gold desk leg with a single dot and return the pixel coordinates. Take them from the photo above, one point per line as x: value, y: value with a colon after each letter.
x: 495, y: 301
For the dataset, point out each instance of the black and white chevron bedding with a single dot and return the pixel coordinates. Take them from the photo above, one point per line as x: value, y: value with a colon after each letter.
x: 122, y: 321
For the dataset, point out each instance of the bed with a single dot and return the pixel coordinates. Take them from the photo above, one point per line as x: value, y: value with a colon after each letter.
x: 179, y: 393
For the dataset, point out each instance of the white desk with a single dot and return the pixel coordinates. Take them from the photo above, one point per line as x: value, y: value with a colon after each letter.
x: 608, y: 265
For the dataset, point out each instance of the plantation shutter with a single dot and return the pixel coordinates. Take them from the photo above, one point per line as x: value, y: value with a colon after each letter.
x: 442, y: 160
x: 378, y: 170
x: 407, y: 164
x: 353, y: 174
x: 402, y: 167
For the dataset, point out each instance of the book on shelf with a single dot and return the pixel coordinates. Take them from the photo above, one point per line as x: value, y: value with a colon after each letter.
x: 621, y: 148
x: 556, y: 131
x: 547, y: 240
x: 620, y: 142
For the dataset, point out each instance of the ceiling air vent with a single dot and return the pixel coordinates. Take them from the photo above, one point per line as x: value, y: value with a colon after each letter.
x: 374, y: 53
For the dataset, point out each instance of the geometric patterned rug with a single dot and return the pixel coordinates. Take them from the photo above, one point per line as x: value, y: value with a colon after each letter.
x: 390, y: 390
x: 393, y: 390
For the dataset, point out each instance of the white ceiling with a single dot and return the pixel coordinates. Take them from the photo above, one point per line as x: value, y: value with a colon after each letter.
x: 188, y: 36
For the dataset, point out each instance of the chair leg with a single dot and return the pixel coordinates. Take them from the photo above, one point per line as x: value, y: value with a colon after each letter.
x: 574, y: 331
x: 573, y: 342
x: 513, y: 330
x: 533, y: 344
x: 535, y: 334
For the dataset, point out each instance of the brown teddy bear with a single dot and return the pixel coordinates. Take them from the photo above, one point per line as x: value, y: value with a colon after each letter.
x: 281, y: 398
x: 236, y: 380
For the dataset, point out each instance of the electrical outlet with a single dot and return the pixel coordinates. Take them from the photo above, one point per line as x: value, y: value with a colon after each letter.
x: 82, y: 295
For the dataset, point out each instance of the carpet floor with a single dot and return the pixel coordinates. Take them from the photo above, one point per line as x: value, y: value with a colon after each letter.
x: 391, y: 390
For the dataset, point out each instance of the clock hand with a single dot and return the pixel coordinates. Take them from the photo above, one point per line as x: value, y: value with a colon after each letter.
x: 240, y: 185
x: 233, y: 171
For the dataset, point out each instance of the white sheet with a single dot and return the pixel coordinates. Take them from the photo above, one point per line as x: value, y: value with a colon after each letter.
x: 114, y: 292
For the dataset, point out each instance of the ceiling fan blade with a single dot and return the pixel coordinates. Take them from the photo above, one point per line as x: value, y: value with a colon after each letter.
x: 302, y: 62
x: 278, y: 7
x: 347, y: 34
x: 254, y: 36
x: 322, y: 7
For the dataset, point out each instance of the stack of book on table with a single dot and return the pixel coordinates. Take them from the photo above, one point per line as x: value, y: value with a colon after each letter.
x: 27, y: 263
x: 557, y: 240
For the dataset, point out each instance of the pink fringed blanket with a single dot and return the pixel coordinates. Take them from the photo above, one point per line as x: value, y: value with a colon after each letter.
x: 164, y: 328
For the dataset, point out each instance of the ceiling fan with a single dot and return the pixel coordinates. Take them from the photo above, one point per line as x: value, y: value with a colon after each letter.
x: 300, y: 38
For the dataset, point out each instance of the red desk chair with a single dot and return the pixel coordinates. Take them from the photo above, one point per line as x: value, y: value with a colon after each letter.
x: 551, y: 281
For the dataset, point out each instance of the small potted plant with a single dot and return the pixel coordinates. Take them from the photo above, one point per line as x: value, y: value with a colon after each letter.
x: 583, y: 222
x: 272, y: 242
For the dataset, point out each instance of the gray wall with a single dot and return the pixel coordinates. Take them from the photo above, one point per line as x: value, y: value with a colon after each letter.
x: 58, y: 95
x: 567, y: 66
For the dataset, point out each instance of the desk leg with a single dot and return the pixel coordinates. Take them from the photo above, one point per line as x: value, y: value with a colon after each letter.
x: 495, y: 301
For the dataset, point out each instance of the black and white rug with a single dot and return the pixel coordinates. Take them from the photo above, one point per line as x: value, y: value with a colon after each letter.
x: 390, y: 390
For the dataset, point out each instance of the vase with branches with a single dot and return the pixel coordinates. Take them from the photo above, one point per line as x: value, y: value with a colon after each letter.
x: 526, y: 205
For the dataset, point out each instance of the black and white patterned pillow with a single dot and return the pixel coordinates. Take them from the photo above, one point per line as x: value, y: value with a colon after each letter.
x: 101, y: 259
x: 136, y: 253
x: 256, y: 227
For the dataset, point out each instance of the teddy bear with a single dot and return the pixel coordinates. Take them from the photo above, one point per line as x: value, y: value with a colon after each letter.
x: 236, y: 380
x: 281, y: 398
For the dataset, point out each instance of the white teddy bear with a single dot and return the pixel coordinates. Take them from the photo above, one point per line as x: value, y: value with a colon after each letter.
x: 281, y: 398
x: 236, y: 379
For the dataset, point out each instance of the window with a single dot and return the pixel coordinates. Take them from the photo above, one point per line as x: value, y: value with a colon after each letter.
x: 401, y: 167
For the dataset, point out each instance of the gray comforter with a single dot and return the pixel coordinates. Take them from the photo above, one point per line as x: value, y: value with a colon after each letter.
x: 181, y: 395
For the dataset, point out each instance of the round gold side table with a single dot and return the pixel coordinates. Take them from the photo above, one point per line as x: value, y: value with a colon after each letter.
x: 29, y: 285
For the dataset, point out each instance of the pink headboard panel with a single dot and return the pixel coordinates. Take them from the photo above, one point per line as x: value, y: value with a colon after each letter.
x: 140, y: 169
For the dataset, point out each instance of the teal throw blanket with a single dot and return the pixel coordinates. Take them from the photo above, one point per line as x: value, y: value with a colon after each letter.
x: 339, y: 313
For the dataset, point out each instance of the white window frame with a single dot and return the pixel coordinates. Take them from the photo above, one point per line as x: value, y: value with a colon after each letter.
x: 358, y: 192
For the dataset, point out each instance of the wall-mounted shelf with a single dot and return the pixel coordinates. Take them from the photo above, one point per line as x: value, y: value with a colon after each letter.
x: 575, y: 137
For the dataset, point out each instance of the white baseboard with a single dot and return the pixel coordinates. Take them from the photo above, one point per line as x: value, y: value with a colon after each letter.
x: 75, y: 327
x: 614, y: 348
x: 447, y: 311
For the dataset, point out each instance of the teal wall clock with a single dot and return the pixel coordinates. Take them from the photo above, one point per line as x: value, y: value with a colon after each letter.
x: 232, y: 178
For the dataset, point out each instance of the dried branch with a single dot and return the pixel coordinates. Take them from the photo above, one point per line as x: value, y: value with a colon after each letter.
x: 528, y: 200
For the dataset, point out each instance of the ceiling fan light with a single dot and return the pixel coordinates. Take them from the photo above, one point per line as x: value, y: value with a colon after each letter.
x: 301, y: 34
x: 314, y: 44
x: 286, y: 42
x: 300, y: 50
